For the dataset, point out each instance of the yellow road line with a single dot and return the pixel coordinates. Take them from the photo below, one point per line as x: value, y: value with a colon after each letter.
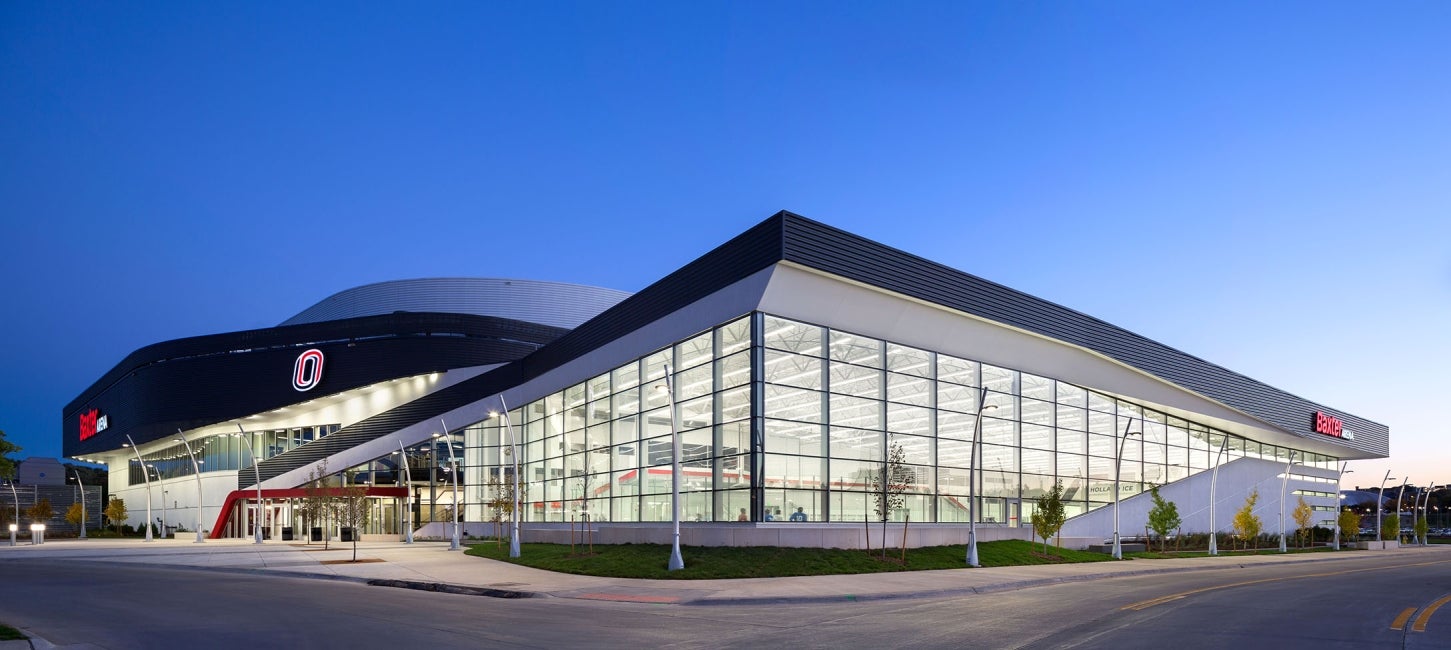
x: 1400, y: 622
x: 1420, y: 625
x: 1145, y: 604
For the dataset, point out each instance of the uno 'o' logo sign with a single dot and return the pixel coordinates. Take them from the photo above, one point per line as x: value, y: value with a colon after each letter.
x: 307, y: 372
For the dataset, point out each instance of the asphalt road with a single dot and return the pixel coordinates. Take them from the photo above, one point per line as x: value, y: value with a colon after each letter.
x: 1325, y: 604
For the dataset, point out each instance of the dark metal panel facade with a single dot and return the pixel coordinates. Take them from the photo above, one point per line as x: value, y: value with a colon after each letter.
x: 549, y: 303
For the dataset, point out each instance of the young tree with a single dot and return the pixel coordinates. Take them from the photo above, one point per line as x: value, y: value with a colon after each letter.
x: 1302, y: 515
x: 888, y: 486
x: 41, y: 512
x: 316, y: 502
x: 1349, y: 521
x: 353, y: 511
x: 1420, y: 528
x: 116, y: 512
x: 1163, y: 518
x: 76, y: 515
x: 1390, y: 527
x: 7, y: 464
x: 1246, y: 523
x: 1049, y: 514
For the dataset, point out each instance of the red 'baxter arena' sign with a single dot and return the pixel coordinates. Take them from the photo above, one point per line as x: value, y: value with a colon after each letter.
x: 1329, y: 425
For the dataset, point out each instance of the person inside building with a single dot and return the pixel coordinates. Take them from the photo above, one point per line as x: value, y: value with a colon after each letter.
x: 799, y: 515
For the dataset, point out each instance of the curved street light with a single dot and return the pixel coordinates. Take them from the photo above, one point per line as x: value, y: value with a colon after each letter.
x: 976, y: 455
x: 676, y: 561
x: 82, y: 485
x: 261, y: 513
x: 407, y: 494
x: 1380, y: 507
x: 453, y: 544
x: 147, y: 475
x: 196, y: 467
x: 1118, y: 551
x: 1338, y: 506
x: 514, y: 458
x: 1284, y: 482
x: 1213, y: 486
x: 14, y: 494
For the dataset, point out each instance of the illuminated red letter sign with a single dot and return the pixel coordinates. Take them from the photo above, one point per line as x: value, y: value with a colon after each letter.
x: 88, y: 424
x: 1328, y: 425
x: 307, y: 372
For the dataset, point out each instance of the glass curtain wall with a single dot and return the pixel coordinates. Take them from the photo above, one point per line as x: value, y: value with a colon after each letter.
x: 224, y: 452
x: 832, y: 406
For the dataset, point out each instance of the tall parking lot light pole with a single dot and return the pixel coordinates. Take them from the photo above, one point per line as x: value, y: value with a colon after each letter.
x: 454, y: 476
x: 1418, y: 509
x: 82, y: 485
x: 1380, y: 506
x: 147, y: 475
x: 1338, y: 497
x: 196, y: 467
x: 14, y: 525
x: 972, y: 474
x: 514, y: 460
x: 1284, y: 482
x: 1118, y: 552
x: 676, y: 561
x: 261, y: 513
x: 1213, y: 486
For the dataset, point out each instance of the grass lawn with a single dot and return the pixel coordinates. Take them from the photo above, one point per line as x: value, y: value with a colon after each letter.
x: 706, y: 562
x: 8, y: 633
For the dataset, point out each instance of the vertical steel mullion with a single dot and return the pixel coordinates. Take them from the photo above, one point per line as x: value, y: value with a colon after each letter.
x: 758, y: 416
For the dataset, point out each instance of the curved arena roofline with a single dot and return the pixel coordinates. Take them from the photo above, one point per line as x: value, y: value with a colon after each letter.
x: 555, y: 304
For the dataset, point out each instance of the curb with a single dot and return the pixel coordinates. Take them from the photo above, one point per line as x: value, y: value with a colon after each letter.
x: 465, y: 590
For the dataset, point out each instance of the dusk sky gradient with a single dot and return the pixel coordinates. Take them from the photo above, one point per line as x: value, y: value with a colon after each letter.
x: 1267, y: 187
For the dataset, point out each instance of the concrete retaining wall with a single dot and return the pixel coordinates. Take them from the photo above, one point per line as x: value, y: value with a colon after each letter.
x: 807, y: 535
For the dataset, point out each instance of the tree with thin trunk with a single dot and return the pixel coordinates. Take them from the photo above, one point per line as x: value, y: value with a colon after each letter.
x: 116, y: 512
x: 76, y: 515
x: 1349, y: 522
x: 888, y: 486
x: 353, y: 511
x: 1247, y: 524
x: 316, y: 502
x: 1049, y: 514
x: 1302, y: 515
x: 7, y: 464
x: 41, y: 512
x: 1390, y: 527
x: 1163, y: 517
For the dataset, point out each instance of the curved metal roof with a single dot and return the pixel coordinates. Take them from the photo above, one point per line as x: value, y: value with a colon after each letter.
x: 555, y: 304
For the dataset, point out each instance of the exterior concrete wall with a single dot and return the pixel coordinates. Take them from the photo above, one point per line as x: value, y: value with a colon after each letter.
x: 795, y: 535
x: 1237, y: 479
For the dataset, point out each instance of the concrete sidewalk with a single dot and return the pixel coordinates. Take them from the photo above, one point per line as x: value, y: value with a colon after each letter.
x: 431, y: 566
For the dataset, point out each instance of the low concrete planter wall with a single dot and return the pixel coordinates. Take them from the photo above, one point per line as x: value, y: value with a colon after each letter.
x: 1378, y: 546
x: 801, y: 535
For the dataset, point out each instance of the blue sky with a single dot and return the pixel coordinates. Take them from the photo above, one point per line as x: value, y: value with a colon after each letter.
x: 1265, y: 187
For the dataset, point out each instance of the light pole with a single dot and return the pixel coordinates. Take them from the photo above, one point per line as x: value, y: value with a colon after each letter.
x: 453, y: 476
x: 1118, y: 551
x: 1213, y: 486
x: 146, y: 475
x: 407, y: 494
x: 1400, y: 496
x: 975, y: 454
x: 1284, y: 482
x: 514, y: 460
x: 261, y: 512
x: 14, y: 494
x: 1338, y: 496
x: 676, y: 562
x: 196, y: 467
x: 82, y: 485
x: 162, y: 485
x: 1380, y: 505
x: 1421, y: 508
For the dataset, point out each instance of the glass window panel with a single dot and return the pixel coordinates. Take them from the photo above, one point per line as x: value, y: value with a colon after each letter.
x: 852, y: 475
x: 694, y: 351
x: 735, y: 336
x: 909, y: 390
x: 627, y: 402
x: 1072, y: 466
x: 735, y: 471
x: 1177, y: 435
x: 1177, y: 456
x: 599, y: 387
x: 599, y: 411
x: 793, y: 370
x: 735, y: 437
x: 694, y: 382
x: 997, y: 484
x: 1036, y: 412
x: 955, y: 425
x: 1037, y: 437
x: 955, y: 370
x: 998, y: 379
x: 697, y: 413
x: 626, y: 376
x: 784, y: 437
x: 908, y: 360
x: 794, y: 472
x: 857, y: 444
x: 1102, y: 423
x: 1070, y: 417
x: 999, y: 432
x: 1072, y: 441
x: 1101, y: 468
x: 1102, y: 446
x: 791, y: 336
x: 1001, y: 406
x: 735, y: 404
x: 1097, y: 402
x: 996, y: 457
x: 697, y: 445
x: 1036, y: 461
x: 954, y: 453
x: 859, y: 350
x: 1036, y: 387
x: 655, y: 423
x: 855, y: 412
x: 856, y: 380
x: 734, y: 370
x: 902, y: 418
x: 956, y: 398
x: 792, y: 403
x: 574, y: 396
x: 1070, y: 395
x: 916, y: 449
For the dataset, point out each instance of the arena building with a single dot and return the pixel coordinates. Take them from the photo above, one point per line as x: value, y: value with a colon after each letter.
x: 801, y: 357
